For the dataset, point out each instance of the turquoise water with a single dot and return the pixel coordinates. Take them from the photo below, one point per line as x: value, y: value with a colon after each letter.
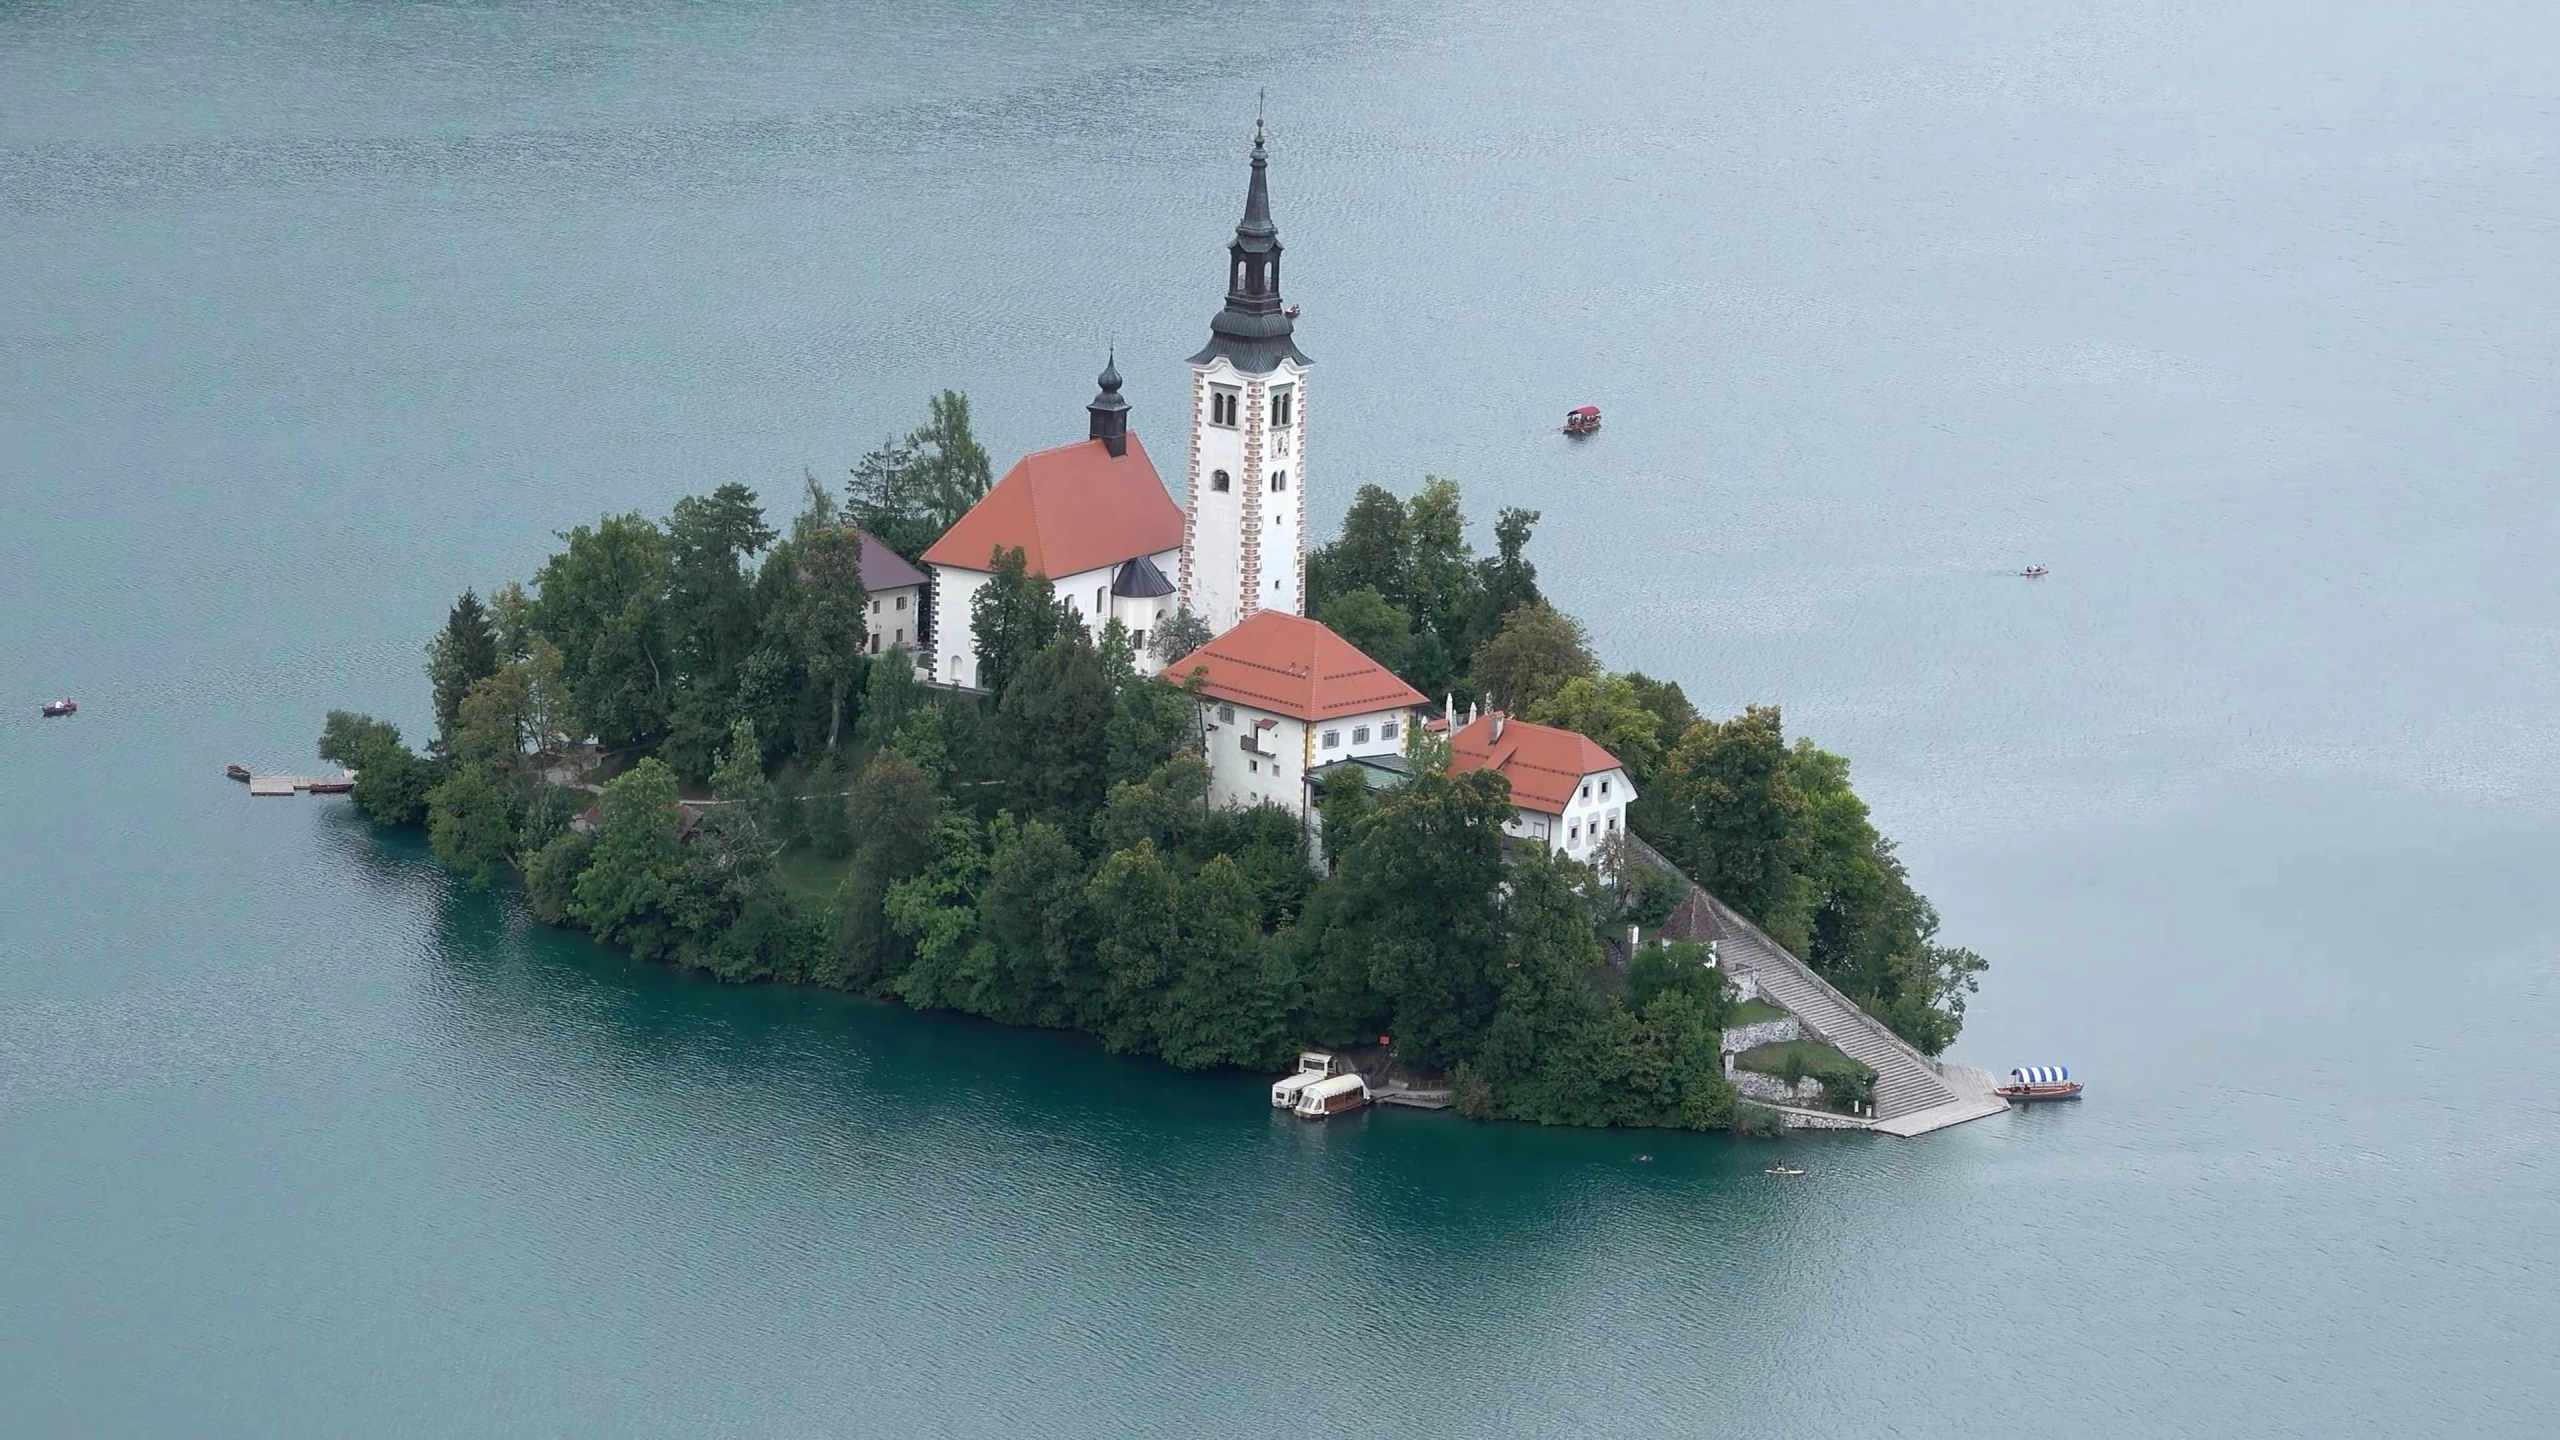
x: 2240, y: 318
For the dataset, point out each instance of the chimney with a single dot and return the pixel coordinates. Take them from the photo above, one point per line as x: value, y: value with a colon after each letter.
x: 1497, y: 724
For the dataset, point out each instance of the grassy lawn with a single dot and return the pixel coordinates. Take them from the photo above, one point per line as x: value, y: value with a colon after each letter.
x: 1815, y: 1058
x: 1752, y: 1012
x: 811, y: 877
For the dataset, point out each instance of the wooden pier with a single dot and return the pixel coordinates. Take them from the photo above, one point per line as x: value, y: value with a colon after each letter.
x: 289, y: 784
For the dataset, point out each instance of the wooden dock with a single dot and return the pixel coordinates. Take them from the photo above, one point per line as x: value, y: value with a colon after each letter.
x: 288, y: 784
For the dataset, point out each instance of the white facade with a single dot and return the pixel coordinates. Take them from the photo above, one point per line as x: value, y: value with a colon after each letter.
x: 1245, y: 513
x: 895, y: 619
x: 1596, y: 810
x: 1258, y: 755
x: 1087, y: 594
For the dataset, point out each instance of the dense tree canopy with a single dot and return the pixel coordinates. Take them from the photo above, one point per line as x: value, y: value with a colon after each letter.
x: 1040, y: 849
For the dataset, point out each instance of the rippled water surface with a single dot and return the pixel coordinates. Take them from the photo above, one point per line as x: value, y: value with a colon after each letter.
x: 2240, y: 317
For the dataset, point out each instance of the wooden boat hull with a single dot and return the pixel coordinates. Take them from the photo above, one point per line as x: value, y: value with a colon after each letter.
x: 2028, y: 1094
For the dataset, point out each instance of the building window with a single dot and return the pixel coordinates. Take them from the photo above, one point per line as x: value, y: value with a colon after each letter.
x: 1218, y: 481
x: 1604, y: 789
x: 1098, y: 603
x: 1254, y: 765
x: 1386, y: 729
x: 1613, y: 822
x: 1223, y: 406
x: 1279, y: 481
x: 1226, y: 714
x: 875, y: 642
x: 1574, y: 835
x: 900, y: 638
x: 1586, y: 789
x: 875, y: 607
x: 1360, y: 735
x: 1138, y: 641
x: 902, y: 602
x: 1280, y: 399
x: 1333, y: 739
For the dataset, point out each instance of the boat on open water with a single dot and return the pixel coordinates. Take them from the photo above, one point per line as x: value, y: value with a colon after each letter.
x: 2039, y: 1082
x: 1582, y: 420
x: 53, y: 708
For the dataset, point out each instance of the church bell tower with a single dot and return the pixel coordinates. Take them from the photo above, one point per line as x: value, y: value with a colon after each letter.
x: 1244, y: 533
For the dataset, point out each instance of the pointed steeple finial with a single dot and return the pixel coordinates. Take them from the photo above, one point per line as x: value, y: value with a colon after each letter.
x: 1109, y: 412
x: 1253, y: 328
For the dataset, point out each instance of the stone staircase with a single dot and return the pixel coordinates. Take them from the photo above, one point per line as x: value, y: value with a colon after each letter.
x: 1913, y: 1095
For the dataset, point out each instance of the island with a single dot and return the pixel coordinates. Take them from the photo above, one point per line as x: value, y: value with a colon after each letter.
x: 1057, y: 750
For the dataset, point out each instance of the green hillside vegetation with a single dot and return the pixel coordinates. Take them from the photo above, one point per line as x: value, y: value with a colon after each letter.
x: 1046, y: 856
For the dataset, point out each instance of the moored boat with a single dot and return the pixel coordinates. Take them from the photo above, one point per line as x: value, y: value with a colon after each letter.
x: 2039, y: 1082
x: 339, y: 786
x: 237, y: 772
x: 1330, y: 1097
x: 1582, y: 420
x: 1314, y: 1068
x: 53, y: 708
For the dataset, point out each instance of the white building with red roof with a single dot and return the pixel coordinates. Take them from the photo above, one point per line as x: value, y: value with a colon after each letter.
x: 1568, y: 794
x: 1284, y: 695
x: 1093, y: 517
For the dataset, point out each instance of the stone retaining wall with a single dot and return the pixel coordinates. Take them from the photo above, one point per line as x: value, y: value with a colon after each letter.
x: 1738, y: 1038
x: 1752, y: 1085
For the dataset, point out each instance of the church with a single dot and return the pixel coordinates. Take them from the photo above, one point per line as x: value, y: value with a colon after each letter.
x: 1096, y: 516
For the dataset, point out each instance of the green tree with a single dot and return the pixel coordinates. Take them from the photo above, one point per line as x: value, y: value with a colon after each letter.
x: 951, y: 466
x: 626, y: 894
x: 1136, y: 901
x: 891, y: 495
x: 551, y: 876
x: 1014, y: 616
x: 1035, y: 915
x: 891, y: 812
x: 890, y: 693
x: 1373, y: 552
x: 1441, y: 586
x: 1227, y: 1006
x: 1052, y: 722
x: 463, y: 652
x: 1181, y: 634
x: 752, y: 812
x: 603, y: 602
x: 829, y: 617
x: 712, y: 616
x: 391, y: 781
x: 1732, y: 809
x: 1610, y: 710
x: 1412, y: 906
x: 936, y: 913
x: 472, y: 822
x: 1375, y: 628
x: 1506, y: 579
x: 1165, y: 809
x: 1539, y: 650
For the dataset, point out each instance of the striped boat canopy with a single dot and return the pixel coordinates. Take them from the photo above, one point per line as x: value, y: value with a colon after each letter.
x: 2040, y: 1075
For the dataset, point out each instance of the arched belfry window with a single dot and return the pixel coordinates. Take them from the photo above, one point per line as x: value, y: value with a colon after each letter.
x: 1218, y: 480
x: 1279, y: 481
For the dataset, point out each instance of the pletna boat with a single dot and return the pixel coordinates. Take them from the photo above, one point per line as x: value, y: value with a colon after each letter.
x: 237, y: 772
x: 1582, y: 420
x: 2035, y: 572
x: 1782, y: 1170
x: 2039, y: 1082
x: 61, y: 707
x: 339, y: 786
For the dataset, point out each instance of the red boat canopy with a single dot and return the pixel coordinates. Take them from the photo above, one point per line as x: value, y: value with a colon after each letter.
x: 1581, y: 410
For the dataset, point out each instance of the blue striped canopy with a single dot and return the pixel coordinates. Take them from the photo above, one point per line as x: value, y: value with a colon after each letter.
x: 2040, y: 1075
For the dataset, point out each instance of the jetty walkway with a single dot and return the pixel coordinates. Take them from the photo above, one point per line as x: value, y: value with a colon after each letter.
x: 1913, y: 1093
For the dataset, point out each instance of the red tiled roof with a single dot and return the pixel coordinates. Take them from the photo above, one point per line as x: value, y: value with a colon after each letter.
x: 1544, y: 765
x: 1071, y: 509
x: 1293, y: 666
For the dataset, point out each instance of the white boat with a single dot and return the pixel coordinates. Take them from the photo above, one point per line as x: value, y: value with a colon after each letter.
x: 1331, y: 1096
x: 1313, y: 1065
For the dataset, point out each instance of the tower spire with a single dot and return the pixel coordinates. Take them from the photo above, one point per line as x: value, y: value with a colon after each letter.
x: 1109, y: 412
x: 1253, y: 329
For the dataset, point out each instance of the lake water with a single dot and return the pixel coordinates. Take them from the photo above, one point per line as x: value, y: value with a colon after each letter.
x: 2240, y: 317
